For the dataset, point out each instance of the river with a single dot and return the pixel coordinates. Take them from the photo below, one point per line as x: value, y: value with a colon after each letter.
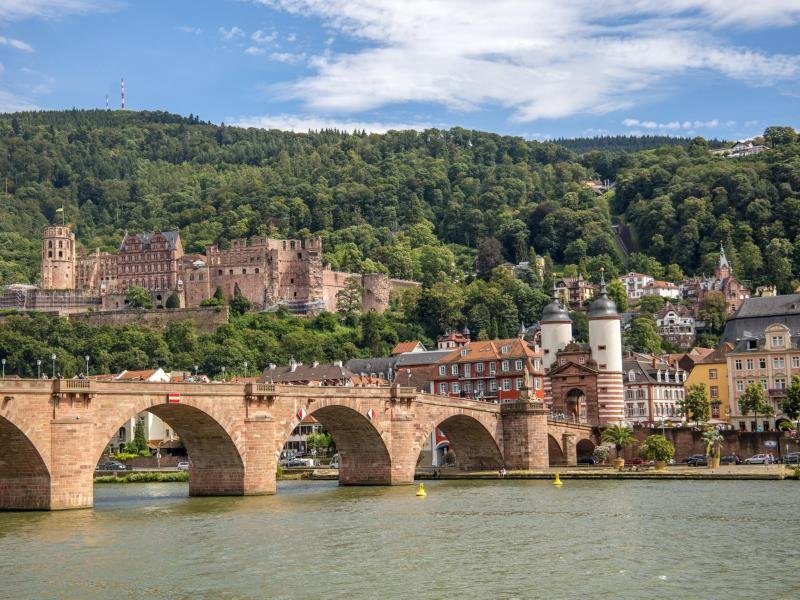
x: 485, y: 540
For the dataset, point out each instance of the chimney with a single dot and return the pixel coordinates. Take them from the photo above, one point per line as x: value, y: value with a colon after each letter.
x: 655, y: 360
x: 337, y: 363
x: 292, y: 365
x: 272, y: 366
x: 316, y: 364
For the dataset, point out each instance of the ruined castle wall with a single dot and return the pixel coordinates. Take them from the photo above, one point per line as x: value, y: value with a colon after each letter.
x: 377, y: 289
x: 205, y: 319
x: 196, y: 285
x: 332, y: 283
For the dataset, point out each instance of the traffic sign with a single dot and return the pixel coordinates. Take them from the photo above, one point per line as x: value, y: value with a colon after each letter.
x: 173, y: 397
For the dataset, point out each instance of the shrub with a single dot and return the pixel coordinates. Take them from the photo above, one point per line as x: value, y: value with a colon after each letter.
x: 657, y: 447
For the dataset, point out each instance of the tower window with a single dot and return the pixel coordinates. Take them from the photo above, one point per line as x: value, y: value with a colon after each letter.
x: 601, y: 347
x: 49, y: 254
x: 60, y: 254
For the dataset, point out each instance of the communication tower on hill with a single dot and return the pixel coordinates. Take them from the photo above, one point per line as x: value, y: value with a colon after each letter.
x: 122, y: 92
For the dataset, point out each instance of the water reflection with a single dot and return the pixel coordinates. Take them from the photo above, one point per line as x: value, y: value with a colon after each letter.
x: 507, y: 539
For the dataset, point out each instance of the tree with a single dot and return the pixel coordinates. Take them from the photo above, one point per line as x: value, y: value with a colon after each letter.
x: 239, y: 304
x: 714, y: 311
x: 780, y: 136
x: 754, y: 401
x: 174, y: 301
x: 695, y: 404
x: 643, y: 336
x: 791, y: 404
x: 618, y: 435
x: 320, y: 441
x: 349, y: 298
x: 138, y: 297
x: 617, y: 292
x: 713, y: 439
x: 490, y: 255
x: 658, y: 448
x: 651, y: 304
x: 138, y: 445
x: 218, y: 299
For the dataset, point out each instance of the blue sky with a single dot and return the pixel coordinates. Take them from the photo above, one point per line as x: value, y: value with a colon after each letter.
x: 537, y: 68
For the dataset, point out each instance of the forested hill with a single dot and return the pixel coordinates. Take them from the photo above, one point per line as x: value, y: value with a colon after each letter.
x: 414, y: 204
x: 627, y: 143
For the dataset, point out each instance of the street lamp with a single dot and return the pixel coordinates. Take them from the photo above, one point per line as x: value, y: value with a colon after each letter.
x: 195, y: 370
x: 4, y: 368
x: 223, y: 373
x: 245, y: 369
x: 53, y: 357
x: 38, y: 368
x: 87, y: 364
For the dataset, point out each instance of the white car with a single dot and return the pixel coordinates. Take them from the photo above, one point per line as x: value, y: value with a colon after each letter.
x: 757, y: 459
x: 182, y: 466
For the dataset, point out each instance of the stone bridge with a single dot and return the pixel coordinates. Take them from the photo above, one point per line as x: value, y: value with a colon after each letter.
x: 53, y: 433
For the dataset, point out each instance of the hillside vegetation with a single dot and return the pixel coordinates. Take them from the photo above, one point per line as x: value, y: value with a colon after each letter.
x: 416, y: 205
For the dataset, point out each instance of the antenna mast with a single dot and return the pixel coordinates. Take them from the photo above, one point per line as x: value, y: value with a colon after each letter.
x: 122, y: 91
x: 107, y: 102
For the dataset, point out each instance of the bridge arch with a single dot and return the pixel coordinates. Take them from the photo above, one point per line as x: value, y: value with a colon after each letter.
x: 24, y: 476
x: 555, y: 452
x: 473, y: 445
x: 584, y: 448
x: 215, y: 446
x: 364, y: 458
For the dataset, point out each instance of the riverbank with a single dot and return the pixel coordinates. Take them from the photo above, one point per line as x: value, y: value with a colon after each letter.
x: 144, y: 477
x: 728, y: 472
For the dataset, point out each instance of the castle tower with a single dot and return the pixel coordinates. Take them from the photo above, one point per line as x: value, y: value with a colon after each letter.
x: 58, y: 258
x: 556, y: 327
x: 605, y: 341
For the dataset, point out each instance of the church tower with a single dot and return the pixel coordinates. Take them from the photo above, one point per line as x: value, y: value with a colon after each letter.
x: 58, y: 258
x: 556, y: 327
x: 605, y: 341
x: 724, y: 269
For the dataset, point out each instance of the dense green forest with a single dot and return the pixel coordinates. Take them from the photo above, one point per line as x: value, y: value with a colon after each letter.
x: 627, y: 143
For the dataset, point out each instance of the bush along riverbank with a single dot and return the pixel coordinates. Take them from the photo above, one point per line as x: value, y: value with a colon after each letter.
x: 145, y: 477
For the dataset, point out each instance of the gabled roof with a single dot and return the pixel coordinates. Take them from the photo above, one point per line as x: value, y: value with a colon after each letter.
x: 491, y: 350
x: 302, y: 373
x: 411, y: 346
x: 146, y: 237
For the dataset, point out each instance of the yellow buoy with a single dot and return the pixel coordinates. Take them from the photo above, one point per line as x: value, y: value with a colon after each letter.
x: 421, y: 493
x: 557, y: 481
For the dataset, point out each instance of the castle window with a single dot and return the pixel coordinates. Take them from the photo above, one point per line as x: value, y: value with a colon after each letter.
x: 230, y: 271
x: 291, y: 244
x: 601, y: 347
x: 299, y: 255
x: 50, y: 244
x: 200, y: 277
x: 49, y: 254
x: 291, y: 280
x: 60, y: 254
x: 244, y: 271
x: 219, y: 272
x: 258, y: 270
x: 60, y: 244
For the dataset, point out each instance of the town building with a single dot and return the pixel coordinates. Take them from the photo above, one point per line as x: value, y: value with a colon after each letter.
x: 268, y: 272
x: 770, y: 360
x: 409, y: 369
x: 712, y: 372
x: 403, y: 347
x: 745, y: 148
x: 492, y: 371
x: 723, y: 281
x: 662, y: 289
x: 635, y: 283
x: 676, y: 325
x: 653, y: 390
x: 756, y: 314
x: 583, y: 383
x: 574, y: 291
x: 453, y: 339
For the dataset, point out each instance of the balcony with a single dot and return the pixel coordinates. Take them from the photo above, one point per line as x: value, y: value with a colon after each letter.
x: 776, y: 392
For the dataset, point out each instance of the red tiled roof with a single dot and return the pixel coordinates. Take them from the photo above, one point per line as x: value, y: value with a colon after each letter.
x: 402, y: 347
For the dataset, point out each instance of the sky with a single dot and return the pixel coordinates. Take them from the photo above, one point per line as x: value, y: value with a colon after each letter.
x: 536, y: 68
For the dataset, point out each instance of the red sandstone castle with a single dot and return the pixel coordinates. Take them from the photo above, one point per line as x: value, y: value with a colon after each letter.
x: 268, y: 272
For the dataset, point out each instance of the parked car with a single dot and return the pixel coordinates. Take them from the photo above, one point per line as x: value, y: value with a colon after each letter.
x: 757, y: 459
x: 697, y: 460
x: 587, y: 460
x: 334, y: 461
x: 182, y: 466
x: 730, y: 459
x: 793, y: 458
x: 296, y: 462
x: 111, y: 465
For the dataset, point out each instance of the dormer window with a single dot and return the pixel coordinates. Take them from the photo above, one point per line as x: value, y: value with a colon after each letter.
x: 631, y: 376
x: 463, y: 352
x: 504, y: 349
x: 777, y: 341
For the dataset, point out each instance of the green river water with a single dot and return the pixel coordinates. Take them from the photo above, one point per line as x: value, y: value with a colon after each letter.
x: 485, y: 540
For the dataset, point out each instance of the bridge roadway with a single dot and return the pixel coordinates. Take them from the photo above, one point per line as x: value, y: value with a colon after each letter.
x: 53, y: 432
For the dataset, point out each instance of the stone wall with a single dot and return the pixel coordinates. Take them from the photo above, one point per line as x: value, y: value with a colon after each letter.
x: 205, y: 319
x: 689, y: 441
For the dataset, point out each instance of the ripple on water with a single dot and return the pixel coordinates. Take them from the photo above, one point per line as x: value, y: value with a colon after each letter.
x: 510, y: 539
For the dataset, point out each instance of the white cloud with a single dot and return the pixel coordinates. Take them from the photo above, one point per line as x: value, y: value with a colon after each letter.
x: 675, y: 125
x: 261, y: 38
x: 11, y: 103
x: 288, y: 57
x: 303, y: 123
x: 543, y: 59
x: 189, y: 29
x: 18, y: 44
x: 16, y: 10
x: 229, y: 34
x: 291, y: 37
x: 255, y: 51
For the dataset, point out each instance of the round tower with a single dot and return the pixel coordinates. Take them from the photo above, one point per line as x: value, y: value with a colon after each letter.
x: 556, y: 329
x: 605, y: 341
x: 58, y: 258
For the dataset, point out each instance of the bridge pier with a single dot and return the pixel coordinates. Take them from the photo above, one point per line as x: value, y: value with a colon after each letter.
x: 570, y: 449
x: 260, y: 460
x: 71, y: 463
x: 525, y: 435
